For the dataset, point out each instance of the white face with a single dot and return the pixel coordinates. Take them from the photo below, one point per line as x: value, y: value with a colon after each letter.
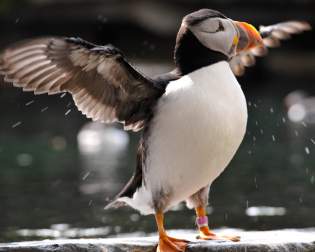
x: 217, y: 34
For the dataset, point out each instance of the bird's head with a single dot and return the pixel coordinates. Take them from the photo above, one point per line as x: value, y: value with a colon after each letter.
x: 210, y: 33
x: 221, y: 34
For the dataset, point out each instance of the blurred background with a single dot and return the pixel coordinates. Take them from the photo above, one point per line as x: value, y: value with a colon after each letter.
x: 58, y: 170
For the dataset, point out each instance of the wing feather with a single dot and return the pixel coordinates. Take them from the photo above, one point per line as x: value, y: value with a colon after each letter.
x: 272, y: 36
x: 103, y: 84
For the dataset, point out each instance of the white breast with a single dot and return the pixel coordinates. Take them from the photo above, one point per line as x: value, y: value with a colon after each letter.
x: 198, y: 126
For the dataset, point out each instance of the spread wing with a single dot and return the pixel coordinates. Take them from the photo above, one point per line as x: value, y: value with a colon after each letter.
x: 102, y: 83
x: 272, y: 35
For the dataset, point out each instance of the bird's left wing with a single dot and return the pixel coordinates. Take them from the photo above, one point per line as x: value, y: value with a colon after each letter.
x: 272, y: 35
x: 102, y: 83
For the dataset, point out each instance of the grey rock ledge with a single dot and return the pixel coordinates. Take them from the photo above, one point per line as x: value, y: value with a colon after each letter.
x: 252, y: 241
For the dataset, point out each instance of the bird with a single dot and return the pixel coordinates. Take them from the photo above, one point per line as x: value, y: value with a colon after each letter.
x: 192, y: 119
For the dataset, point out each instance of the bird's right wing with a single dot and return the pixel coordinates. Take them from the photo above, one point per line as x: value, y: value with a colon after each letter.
x: 272, y: 35
x: 104, y: 86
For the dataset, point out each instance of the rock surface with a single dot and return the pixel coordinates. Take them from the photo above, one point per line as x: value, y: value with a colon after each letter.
x: 252, y: 241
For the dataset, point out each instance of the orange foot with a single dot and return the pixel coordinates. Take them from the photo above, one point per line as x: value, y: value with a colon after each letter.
x: 206, y: 234
x: 170, y: 244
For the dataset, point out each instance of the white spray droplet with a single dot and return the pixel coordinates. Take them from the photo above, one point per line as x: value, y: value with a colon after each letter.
x: 86, y: 175
x: 68, y: 112
x: 307, y: 150
x: 29, y: 103
x: 16, y: 124
x: 44, y: 109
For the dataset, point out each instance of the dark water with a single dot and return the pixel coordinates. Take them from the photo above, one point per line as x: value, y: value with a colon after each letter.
x: 55, y: 168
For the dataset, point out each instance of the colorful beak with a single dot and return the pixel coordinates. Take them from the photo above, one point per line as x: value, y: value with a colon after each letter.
x: 248, y: 38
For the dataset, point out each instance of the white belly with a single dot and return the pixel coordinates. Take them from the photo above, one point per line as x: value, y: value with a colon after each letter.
x: 198, y: 126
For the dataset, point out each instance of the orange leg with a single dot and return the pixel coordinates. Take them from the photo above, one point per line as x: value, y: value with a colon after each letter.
x: 204, y: 232
x: 166, y: 243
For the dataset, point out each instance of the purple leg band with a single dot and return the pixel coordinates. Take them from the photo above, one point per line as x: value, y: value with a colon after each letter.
x: 202, y: 221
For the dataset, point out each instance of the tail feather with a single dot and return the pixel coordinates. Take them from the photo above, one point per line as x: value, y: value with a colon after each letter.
x: 115, y: 204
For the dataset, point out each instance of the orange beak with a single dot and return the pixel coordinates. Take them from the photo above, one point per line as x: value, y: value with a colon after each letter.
x: 248, y: 38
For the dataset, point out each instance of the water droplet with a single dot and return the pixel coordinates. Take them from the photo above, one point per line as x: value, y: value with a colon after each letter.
x: 296, y: 133
x: 249, y: 103
x: 272, y: 110
x: 313, y: 141
x: 254, y: 139
x: 247, y: 203
x: 261, y: 131
x: 304, y: 124
x: 255, y: 181
x: 312, y: 179
x: 29, y: 103
x: 86, y: 176
x: 44, y: 109
x: 307, y: 150
x: 284, y: 120
x: 63, y: 95
x: 16, y: 124
x: 68, y: 112
x: 255, y: 105
x: 256, y: 122
x: 273, y: 138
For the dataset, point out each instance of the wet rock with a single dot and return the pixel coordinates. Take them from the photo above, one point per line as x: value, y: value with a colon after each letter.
x: 260, y: 241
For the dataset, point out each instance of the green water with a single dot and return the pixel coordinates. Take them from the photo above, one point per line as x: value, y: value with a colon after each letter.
x: 45, y: 179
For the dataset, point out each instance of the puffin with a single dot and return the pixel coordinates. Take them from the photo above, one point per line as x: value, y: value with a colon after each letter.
x: 192, y: 119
